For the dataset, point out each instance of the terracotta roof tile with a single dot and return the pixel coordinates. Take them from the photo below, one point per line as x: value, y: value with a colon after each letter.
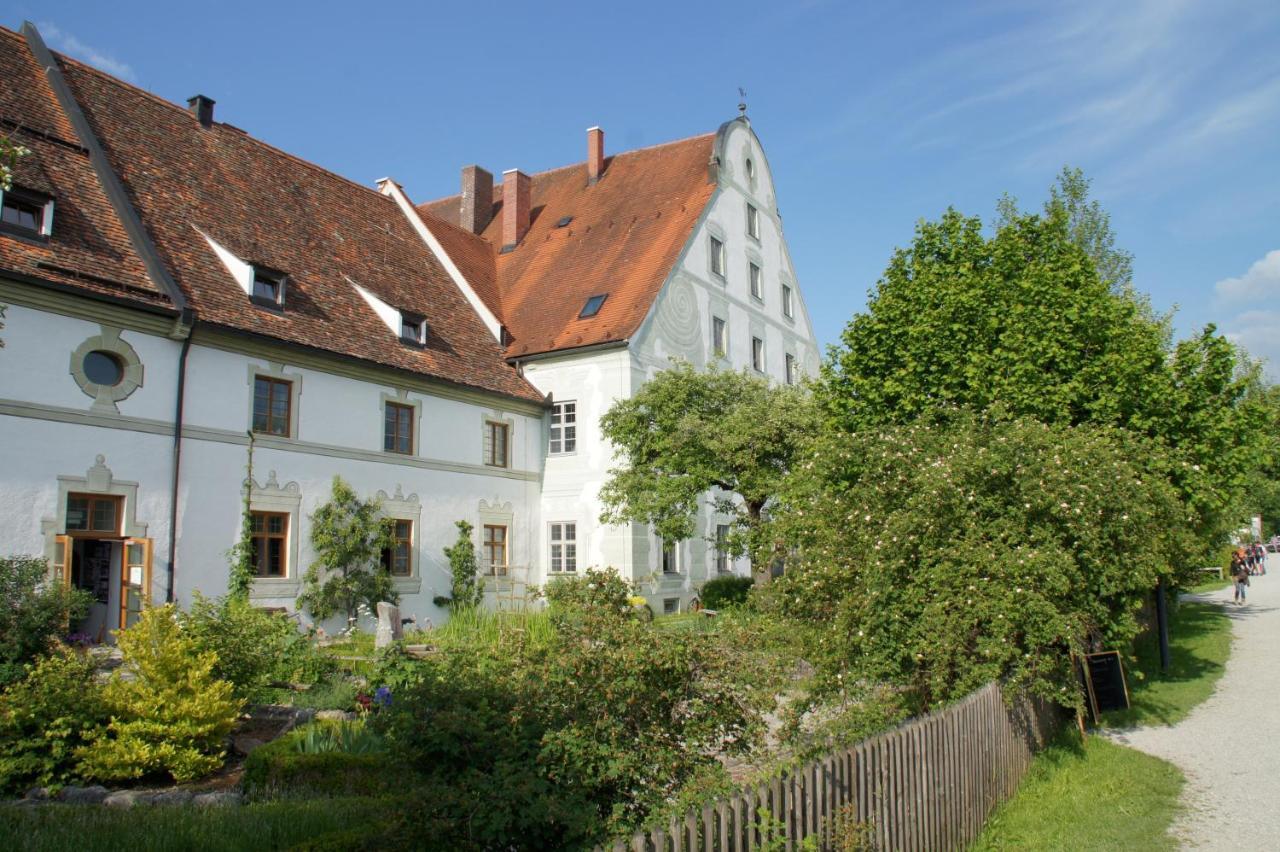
x: 625, y: 237
x: 271, y: 209
x: 88, y: 248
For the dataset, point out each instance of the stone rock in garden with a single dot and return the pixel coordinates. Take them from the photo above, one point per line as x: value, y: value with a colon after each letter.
x: 37, y: 794
x: 243, y: 745
x: 121, y: 799
x: 216, y: 799
x: 84, y: 795
x: 171, y: 797
x: 335, y: 716
x: 389, y: 627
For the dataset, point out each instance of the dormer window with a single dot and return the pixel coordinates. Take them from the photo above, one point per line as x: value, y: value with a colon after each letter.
x: 27, y: 213
x: 268, y: 288
x: 413, y: 329
x: 592, y: 307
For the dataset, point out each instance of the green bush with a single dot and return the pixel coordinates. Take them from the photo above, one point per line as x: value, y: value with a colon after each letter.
x: 45, y: 717
x: 724, y: 592
x: 254, y: 648
x: 171, y: 716
x: 283, y: 768
x: 563, y: 745
x: 347, y: 737
x: 37, y: 609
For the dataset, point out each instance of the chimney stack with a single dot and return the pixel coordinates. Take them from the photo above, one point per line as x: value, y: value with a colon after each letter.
x: 595, y: 154
x: 477, y: 199
x: 202, y: 108
x: 515, y: 207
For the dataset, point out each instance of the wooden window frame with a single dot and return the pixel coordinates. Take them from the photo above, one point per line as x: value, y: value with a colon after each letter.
x: 717, y: 256
x: 391, y: 440
x: 755, y: 280
x: 277, y: 280
x: 22, y: 197
x: 757, y: 346
x: 389, y: 555
x: 753, y: 221
x: 559, y: 441
x: 488, y: 543
x: 89, y: 531
x: 261, y: 553
x: 273, y: 383
x: 719, y: 336
x: 672, y: 547
x: 788, y: 302
x: 491, y: 444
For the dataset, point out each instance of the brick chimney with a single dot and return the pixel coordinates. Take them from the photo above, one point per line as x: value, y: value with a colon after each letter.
x: 202, y: 108
x: 515, y: 207
x: 595, y: 154
x: 477, y: 199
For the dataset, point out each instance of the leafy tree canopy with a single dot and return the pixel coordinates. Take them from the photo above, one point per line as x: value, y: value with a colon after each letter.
x: 348, y: 535
x: 688, y: 432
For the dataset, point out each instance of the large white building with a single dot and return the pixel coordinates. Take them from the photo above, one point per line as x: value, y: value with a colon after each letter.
x: 184, y: 300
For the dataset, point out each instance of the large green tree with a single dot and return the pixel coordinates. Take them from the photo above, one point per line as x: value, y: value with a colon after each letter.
x: 1024, y: 318
x: 687, y: 433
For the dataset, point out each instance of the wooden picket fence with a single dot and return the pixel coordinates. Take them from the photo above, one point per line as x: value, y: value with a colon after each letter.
x: 929, y: 784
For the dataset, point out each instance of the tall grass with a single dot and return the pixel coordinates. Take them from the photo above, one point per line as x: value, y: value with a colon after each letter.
x: 500, y: 629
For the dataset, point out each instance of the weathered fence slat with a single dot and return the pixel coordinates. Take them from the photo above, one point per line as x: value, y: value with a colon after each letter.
x: 929, y: 785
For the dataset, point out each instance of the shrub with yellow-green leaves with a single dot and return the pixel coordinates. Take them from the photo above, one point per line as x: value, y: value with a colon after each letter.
x: 169, y: 714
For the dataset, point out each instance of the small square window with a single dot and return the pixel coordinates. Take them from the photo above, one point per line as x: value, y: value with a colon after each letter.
x: 413, y: 329
x: 791, y: 369
x: 717, y: 256
x: 670, y: 606
x: 27, y: 213
x: 719, y: 336
x: 788, y: 308
x: 592, y: 307
x: 757, y: 354
x: 753, y: 222
x: 268, y: 288
x: 757, y: 282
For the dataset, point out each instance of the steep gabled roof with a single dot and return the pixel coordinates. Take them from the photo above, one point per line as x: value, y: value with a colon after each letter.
x: 626, y: 234
x: 272, y: 210
x: 90, y: 249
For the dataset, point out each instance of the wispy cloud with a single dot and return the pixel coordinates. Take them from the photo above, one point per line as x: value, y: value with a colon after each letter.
x: 1261, y: 281
x: 65, y: 42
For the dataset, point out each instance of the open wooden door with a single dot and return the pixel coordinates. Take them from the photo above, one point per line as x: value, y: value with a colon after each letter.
x: 62, y: 558
x: 135, y: 580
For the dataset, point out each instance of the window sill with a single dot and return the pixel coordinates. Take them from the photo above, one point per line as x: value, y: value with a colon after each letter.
x: 274, y: 587
x: 552, y: 455
x: 407, y: 585
x: 398, y: 453
x: 24, y: 234
x: 267, y: 304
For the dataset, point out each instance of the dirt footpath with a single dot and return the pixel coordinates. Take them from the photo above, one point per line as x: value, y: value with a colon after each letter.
x: 1229, y: 746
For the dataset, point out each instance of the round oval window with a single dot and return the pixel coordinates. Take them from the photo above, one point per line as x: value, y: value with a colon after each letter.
x: 103, y: 368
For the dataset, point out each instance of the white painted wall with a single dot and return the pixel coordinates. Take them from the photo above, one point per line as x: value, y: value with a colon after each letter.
x: 340, y: 433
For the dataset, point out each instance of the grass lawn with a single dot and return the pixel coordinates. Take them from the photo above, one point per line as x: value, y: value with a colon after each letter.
x: 1199, y: 643
x: 1095, y: 795
x: 271, y: 825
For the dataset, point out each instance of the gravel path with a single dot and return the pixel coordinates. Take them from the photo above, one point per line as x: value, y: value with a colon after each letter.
x: 1228, y: 747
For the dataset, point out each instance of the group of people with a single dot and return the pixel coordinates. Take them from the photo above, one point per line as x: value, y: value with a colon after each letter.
x: 1247, y: 561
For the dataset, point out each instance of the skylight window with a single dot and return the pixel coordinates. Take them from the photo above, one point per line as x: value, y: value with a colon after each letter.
x: 592, y: 307
x: 413, y: 329
x: 268, y: 288
x: 564, y: 221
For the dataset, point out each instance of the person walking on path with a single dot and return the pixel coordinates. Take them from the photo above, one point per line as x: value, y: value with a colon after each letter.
x: 1240, y: 569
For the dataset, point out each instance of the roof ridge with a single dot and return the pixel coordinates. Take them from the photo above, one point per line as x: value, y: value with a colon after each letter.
x: 582, y: 163
x: 233, y: 128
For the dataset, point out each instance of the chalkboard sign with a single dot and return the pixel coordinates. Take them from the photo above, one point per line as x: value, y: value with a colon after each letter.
x: 1102, y: 676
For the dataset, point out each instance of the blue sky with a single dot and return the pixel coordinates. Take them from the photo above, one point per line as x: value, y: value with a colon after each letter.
x: 873, y: 115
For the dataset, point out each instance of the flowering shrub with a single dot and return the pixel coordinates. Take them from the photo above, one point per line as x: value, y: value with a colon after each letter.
x: 968, y: 548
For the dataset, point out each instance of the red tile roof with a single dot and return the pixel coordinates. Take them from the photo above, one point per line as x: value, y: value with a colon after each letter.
x: 625, y: 237
x: 270, y: 209
x: 89, y: 249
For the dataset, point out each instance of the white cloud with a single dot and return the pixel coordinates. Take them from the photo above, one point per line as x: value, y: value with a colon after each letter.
x: 65, y: 42
x: 1259, y: 333
x: 1260, y: 282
